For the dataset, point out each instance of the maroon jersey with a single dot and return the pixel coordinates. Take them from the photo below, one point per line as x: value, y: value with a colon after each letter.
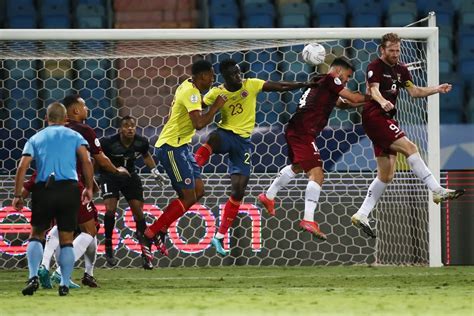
x: 89, y: 135
x: 390, y: 80
x: 315, y: 106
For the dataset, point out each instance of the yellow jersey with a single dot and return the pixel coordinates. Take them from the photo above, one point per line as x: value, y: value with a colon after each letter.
x: 239, y: 111
x: 179, y: 129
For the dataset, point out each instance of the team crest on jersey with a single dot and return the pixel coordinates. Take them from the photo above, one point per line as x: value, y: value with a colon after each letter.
x: 194, y: 98
x: 187, y: 181
x: 337, y: 81
x: 399, y: 77
x: 370, y: 74
x: 244, y: 94
x: 96, y: 142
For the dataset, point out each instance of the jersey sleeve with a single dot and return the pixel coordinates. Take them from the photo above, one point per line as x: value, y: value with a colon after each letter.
x: 191, y: 99
x: 211, y: 96
x: 105, y: 145
x: 255, y: 85
x: 374, y: 73
x: 334, y: 84
x: 145, y: 146
x: 93, y: 141
x: 29, y: 150
x: 406, y: 77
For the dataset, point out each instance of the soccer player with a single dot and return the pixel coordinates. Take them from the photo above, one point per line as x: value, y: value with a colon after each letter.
x: 77, y: 112
x: 56, y: 151
x: 233, y: 134
x: 312, y: 115
x: 385, y: 77
x: 173, y: 144
x: 123, y: 148
x: 52, y: 245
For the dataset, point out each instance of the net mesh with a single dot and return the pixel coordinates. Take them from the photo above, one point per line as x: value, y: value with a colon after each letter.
x: 138, y: 78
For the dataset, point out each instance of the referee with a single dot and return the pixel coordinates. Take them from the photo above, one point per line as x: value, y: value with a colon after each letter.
x: 56, y: 194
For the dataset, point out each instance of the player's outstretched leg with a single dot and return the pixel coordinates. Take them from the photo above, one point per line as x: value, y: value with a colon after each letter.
x: 420, y: 169
x: 268, y: 204
x: 313, y: 228
x: 268, y: 198
x: 447, y: 194
x: 361, y: 220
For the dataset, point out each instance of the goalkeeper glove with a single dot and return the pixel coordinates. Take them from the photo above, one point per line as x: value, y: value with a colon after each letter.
x: 159, y: 178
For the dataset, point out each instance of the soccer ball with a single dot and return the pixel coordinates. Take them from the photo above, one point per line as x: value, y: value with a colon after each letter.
x: 314, y: 54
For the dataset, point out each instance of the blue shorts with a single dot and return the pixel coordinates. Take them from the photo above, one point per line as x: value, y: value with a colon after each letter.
x: 238, y: 149
x: 180, y: 166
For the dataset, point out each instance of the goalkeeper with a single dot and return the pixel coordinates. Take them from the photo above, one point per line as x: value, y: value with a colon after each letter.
x: 123, y: 149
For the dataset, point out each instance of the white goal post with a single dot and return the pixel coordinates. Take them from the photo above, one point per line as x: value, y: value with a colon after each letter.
x: 204, y: 42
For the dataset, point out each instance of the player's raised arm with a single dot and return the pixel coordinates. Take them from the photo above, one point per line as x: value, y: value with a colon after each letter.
x: 351, y: 99
x: 201, y: 120
x: 287, y: 85
x: 421, y: 92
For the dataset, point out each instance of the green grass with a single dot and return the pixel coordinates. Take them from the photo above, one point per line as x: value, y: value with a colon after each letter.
x: 253, y: 291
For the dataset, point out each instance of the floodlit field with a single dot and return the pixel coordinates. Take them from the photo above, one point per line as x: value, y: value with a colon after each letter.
x: 254, y: 291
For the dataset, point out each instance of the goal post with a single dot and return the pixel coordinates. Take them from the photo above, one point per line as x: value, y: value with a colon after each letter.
x: 136, y: 72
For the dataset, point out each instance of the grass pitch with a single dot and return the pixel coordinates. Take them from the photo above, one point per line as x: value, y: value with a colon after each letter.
x: 344, y: 290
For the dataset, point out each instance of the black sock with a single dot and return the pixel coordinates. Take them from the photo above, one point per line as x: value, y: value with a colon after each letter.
x: 141, y: 226
x: 109, y: 224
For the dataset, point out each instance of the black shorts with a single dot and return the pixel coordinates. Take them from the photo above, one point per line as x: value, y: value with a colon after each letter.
x: 60, y: 201
x: 131, y: 187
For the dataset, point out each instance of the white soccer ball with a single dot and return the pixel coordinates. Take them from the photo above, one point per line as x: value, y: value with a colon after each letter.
x: 314, y: 54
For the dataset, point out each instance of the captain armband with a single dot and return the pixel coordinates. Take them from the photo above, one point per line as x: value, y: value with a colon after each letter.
x: 408, y: 84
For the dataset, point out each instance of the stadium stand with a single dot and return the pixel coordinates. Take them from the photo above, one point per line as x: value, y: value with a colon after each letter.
x: 455, y: 19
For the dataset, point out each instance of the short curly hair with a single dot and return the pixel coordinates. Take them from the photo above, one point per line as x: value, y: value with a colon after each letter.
x: 390, y: 37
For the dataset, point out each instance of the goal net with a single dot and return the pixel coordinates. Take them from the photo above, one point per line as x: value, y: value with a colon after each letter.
x: 120, y: 73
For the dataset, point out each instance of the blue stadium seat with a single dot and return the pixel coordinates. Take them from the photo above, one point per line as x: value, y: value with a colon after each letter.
x: 401, y: 13
x: 450, y: 117
x: 246, y: 2
x: 367, y: 14
x: 329, y: 15
x: 90, y: 2
x: 224, y: 14
x: 454, y: 100
x: 257, y: 20
x: 470, y: 111
x: 54, y: 7
x: 21, y: 22
x: 352, y: 5
x: 86, y: 10
x: 465, y: 38
x: 224, y: 21
x: 20, y: 8
x: 90, y: 22
x: 294, y: 15
x: 446, y: 61
x: 444, y: 11
x: 290, y: 21
x: 258, y: 15
x: 55, y: 22
x: 466, y: 12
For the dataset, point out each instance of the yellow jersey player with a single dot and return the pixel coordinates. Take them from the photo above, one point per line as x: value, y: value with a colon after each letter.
x: 173, y: 146
x: 233, y: 134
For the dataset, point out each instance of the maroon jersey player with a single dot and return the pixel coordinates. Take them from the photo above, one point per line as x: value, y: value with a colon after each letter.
x: 305, y: 125
x: 385, y: 77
